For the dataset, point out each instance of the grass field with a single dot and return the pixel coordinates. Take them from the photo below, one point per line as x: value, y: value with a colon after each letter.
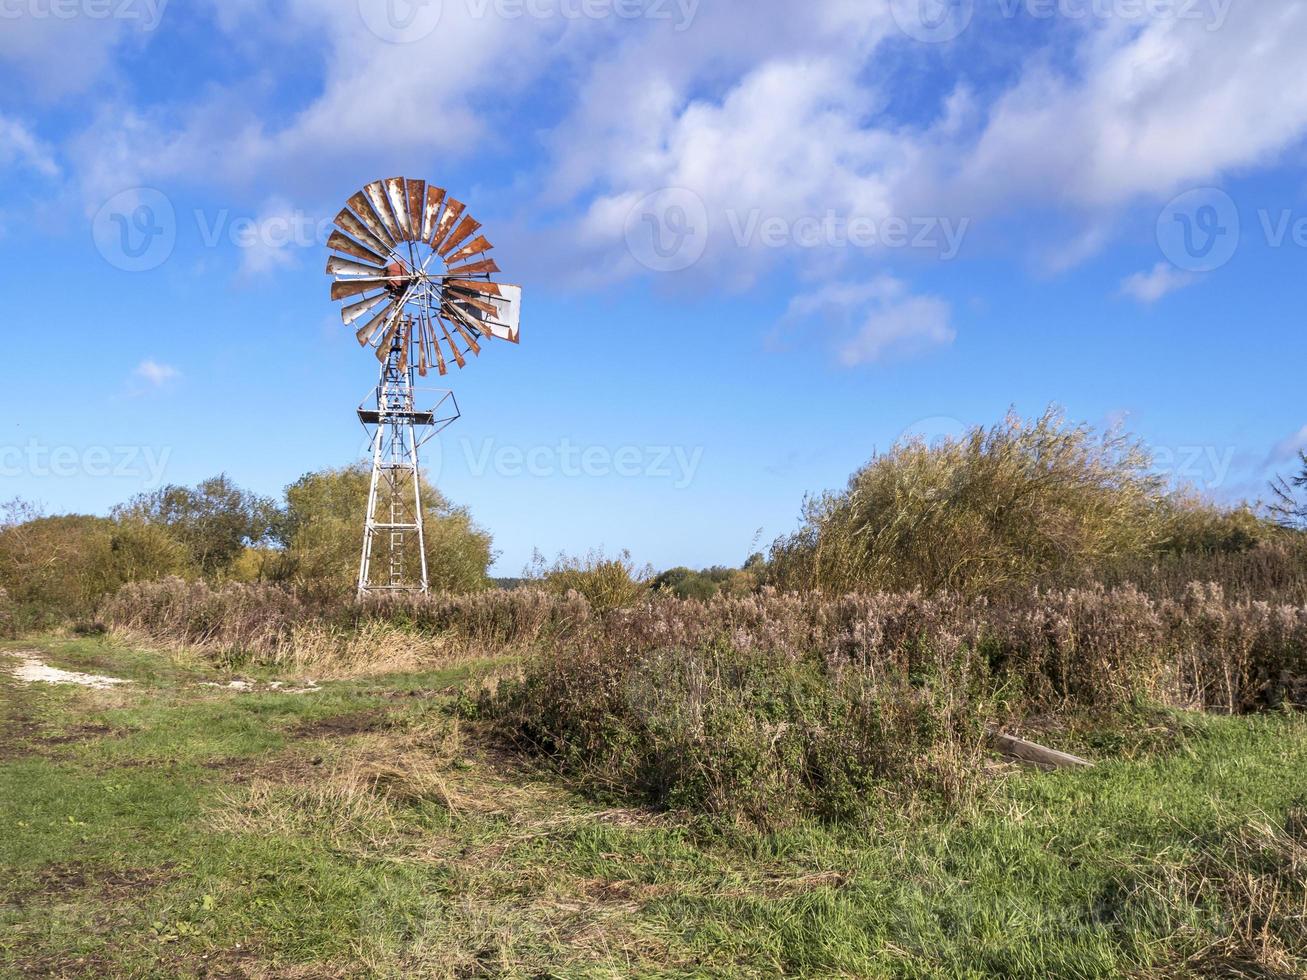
x: 177, y: 826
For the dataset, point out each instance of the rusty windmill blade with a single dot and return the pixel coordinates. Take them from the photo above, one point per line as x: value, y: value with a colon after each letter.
x: 337, y: 266
x: 417, y: 195
x: 475, y: 247
x: 453, y: 211
x: 453, y: 347
x: 397, y: 197
x: 388, y: 339
x: 431, y: 211
x: 484, y: 267
x: 469, y: 303
x: 467, y: 337
x: 405, y: 342
x: 473, y: 286
x: 343, y: 243
x: 345, y: 288
x: 376, y: 192
x: 434, y: 344
x: 459, y: 235
x: 367, y: 334
x: 422, y: 347
x: 350, y: 313
x: 347, y: 221
x: 367, y: 215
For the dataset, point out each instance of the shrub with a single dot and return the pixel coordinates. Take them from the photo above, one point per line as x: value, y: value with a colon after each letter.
x: 59, y: 568
x: 995, y: 511
x: 605, y: 583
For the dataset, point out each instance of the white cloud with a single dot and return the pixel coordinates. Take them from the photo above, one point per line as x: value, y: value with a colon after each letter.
x: 1143, y: 108
x: 1149, y: 287
x: 156, y: 374
x: 878, y: 319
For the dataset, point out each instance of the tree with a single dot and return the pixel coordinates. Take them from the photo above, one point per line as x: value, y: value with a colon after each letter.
x: 214, y: 521
x: 1290, y: 506
x: 322, y: 532
x: 59, y: 567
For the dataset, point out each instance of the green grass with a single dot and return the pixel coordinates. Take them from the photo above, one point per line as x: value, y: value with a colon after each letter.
x: 169, y: 828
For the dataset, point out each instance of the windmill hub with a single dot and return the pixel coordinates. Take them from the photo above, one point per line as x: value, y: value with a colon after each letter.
x: 409, y: 264
x: 400, y: 276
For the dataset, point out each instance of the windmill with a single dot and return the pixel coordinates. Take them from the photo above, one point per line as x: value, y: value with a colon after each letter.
x: 412, y: 270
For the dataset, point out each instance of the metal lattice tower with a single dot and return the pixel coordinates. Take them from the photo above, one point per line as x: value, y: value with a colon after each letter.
x: 394, y: 537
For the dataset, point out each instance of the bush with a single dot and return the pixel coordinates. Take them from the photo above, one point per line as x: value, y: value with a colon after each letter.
x: 761, y: 736
x: 995, y: 511
x: 605, y: 583
x: 59, y: 568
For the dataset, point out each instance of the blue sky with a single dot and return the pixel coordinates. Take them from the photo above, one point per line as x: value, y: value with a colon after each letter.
x: 758, y: 242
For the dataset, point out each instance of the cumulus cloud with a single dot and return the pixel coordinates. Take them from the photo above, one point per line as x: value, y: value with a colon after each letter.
x: 1149, y: 287
x: 793, y: 121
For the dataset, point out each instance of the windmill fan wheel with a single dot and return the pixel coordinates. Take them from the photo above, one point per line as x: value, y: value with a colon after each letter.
x: 412, y: 269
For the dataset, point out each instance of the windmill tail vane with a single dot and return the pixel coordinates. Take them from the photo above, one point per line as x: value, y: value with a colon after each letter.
x: 412, y: 271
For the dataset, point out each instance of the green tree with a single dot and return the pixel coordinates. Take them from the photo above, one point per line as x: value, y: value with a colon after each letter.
x: 215, y: 521
x: 54, y: 568
x: 322, y: 532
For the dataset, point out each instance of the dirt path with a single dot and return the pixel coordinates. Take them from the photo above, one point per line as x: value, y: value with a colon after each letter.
x: 31, y: 670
